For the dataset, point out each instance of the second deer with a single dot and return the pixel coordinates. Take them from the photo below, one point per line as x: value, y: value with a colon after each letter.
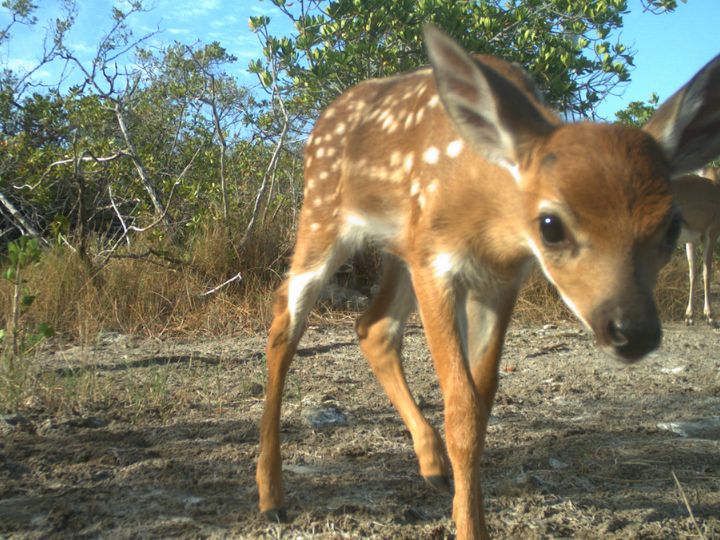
x: 698, y: 198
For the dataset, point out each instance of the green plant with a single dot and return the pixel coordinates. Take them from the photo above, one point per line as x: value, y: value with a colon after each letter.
x: 21, y: 254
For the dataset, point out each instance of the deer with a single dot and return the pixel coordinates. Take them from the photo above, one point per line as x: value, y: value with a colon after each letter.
x: 464, y: 178
x: 698, y: 199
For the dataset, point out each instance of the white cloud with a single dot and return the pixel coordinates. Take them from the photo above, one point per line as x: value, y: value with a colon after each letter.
x: 226, y: 20
x: 82, y: 48
x: 21, y: 65
x: 178, y: 31
x: 265, y: 9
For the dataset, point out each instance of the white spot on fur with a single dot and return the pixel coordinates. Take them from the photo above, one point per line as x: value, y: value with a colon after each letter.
x: 455, y: 148
x: 431, y: 155
x: 414, y: 188
x: 340, y: 128
x: 358, y: 228
x: 314, y: 227
x: 320, y: 152
x: 409, y: 120
x: 408, y: 162
x: 389, y: 122
x: 443, y: 264
x: 513, y: 169
x: 395, y: 158
x: 434, y: 101
x: 323, y: 175
x: 299, y: 287
x: 317, y: 202
x: 310, y: 184
x: 355, y: 220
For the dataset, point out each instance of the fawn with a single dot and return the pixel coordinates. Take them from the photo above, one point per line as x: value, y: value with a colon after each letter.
x: 464, y: 178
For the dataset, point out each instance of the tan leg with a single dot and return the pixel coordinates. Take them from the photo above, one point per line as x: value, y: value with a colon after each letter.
x: 465, y: 414
x: 487, y: 325
x: 294, y: 300
x: 709, y: 250
x: 380, y: 330
x: 690, y: 250
x: 486, y: 320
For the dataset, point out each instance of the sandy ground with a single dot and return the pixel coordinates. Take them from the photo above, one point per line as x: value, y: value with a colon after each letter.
x: 165, y: 440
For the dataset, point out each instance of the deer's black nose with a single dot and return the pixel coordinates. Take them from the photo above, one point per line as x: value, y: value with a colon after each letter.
x: 629, y: 332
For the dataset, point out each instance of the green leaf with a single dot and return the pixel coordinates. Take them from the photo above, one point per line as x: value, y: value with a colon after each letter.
x: 46, y: 330
x: 10, y: 274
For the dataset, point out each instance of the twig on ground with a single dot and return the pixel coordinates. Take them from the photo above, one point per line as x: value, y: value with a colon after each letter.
x: 687, y: 505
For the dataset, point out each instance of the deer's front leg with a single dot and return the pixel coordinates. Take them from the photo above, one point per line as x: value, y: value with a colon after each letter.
x: 690, y: 250
x: 442, y: 309
x: 488, y: 316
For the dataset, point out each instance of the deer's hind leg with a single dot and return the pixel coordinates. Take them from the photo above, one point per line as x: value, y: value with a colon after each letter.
x: 710, y: 239
x: 315, y: 260
x: 380, y: 330
x: 690, y: 251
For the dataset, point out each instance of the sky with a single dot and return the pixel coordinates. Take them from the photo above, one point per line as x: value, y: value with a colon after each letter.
x: 669, y: 48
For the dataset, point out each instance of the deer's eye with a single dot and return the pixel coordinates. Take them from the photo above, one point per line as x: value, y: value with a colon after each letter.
x: 673, y: 231
x: 552, y: 230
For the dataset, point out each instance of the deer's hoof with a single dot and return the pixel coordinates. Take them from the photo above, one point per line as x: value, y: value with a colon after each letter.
x: 276, y: 515
x: 441, y: 483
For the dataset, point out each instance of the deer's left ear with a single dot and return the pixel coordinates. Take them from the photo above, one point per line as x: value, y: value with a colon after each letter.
x: 489, y: 111
x: 687, y: 125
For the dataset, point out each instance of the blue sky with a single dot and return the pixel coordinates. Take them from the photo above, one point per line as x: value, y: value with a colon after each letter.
x: 669, y: 48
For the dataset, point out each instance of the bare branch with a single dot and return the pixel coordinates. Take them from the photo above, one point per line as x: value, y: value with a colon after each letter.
x: 236, y: 277
x: 22, y: 224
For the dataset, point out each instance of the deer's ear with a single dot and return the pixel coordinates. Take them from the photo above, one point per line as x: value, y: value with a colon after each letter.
x: 687, y: 125
x: 487, y: 109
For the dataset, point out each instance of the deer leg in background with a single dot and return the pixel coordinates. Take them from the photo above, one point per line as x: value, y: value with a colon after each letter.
x: 690, y: 251
x: 380, y: 330
x: 709, y: 251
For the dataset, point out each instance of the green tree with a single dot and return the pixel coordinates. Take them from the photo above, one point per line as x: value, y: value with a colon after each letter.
x: 567, y: 47
x: 637, y: 113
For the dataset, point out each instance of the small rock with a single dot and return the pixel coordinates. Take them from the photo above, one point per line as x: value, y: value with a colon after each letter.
x: 256, y: 390
x: 702, y: 428
x: 16, y: 420
x: 325, y: 416
x: 102, y: 475
x: 557, y: 464
x: 191, y: 500
x: 91, y: 422
x: 673, y: 370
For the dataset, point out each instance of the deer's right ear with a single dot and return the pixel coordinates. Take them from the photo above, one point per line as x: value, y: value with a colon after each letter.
x: 490, y: 112
x: 687, y: 125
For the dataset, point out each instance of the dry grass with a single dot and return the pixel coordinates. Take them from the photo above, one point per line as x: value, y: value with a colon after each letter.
x: 155, y: 297
x: 158, y: 294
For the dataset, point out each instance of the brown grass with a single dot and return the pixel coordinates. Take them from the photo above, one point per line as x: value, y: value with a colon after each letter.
x: 153, y: 296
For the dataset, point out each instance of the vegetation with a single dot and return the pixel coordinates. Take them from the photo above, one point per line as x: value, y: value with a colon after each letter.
x: 159, y: 177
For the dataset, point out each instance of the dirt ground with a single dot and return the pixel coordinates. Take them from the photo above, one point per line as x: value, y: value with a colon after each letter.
x: 574, y: 448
